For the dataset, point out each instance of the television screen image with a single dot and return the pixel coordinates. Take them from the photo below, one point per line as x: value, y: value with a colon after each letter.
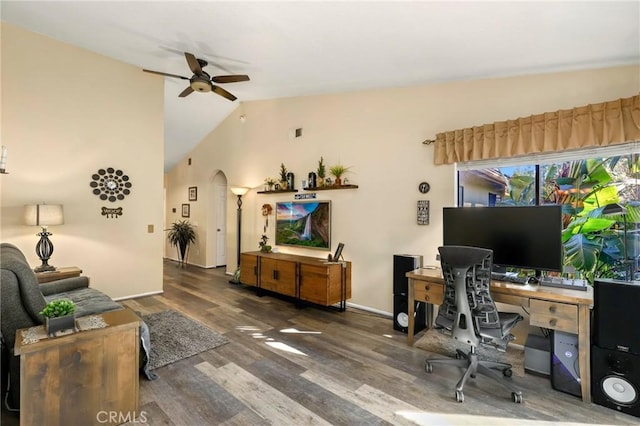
x: 304, y: 224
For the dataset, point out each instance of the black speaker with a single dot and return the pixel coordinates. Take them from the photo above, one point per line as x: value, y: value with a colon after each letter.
x: 403, y: 263
x: 565, y: 371
x: 615, y: 380
x: 401, y: 314
x: 616, y: 314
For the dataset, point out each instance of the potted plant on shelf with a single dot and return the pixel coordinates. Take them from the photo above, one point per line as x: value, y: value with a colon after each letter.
x: 338, y: 171
x: 59, y: 315
x: 264, y: 247
x: 269, y: 182
x: 283, y: 176
x: 181, y: 235
x: 322, y: 172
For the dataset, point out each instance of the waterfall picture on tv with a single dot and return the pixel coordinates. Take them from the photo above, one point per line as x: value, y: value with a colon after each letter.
x: 304, y: 224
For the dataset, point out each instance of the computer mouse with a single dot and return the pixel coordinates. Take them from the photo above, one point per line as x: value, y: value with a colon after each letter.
x: 532, y: 280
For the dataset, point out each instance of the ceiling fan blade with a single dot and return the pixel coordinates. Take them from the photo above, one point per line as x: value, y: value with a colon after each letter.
x: 166, y: 74
x: 193, y: 63
x: 186, y: 92
x: 230, y: 78
x: 220, y: 91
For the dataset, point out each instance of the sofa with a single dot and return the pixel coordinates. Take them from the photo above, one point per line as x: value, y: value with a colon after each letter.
x: 21, y: 300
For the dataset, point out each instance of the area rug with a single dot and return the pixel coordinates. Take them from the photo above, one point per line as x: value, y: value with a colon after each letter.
x: 443, y: 345
x: 175, y: 337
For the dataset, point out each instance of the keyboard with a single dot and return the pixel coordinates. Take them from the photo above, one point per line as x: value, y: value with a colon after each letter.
x: 563, y: 283
x: 508, y: 278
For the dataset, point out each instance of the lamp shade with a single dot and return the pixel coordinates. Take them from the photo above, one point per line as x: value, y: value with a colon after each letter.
x: 239, y: 190
x: 43, y: 214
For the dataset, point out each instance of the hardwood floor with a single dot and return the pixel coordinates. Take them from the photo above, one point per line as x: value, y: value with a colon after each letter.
x: 306, y: 366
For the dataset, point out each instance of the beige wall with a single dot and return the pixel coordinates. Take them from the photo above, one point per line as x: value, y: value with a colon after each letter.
x: 379, y: 134
x: 67, y: 112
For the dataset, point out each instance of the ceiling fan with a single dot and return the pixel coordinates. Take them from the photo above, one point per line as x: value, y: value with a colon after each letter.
x: 203, y: 82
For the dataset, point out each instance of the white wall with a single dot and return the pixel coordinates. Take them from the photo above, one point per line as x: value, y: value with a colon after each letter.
x: 67, y: 112
x: 379, y: 133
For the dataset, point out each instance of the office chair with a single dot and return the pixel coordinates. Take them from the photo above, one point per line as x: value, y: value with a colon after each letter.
x: 469, y: 314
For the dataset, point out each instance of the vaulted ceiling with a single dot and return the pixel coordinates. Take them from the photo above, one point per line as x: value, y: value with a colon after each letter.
x: 306, y: 48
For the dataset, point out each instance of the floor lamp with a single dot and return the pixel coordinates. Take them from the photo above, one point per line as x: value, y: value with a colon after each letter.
x: 239, y: 191
x: 44, y: 215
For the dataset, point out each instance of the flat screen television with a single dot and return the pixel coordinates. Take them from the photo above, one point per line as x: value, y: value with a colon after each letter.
x: 304, y: 224
x: 526, y: 237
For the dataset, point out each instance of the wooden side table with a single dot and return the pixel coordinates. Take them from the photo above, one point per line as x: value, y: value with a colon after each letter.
x: 58, y: 274
x: 79, y: 378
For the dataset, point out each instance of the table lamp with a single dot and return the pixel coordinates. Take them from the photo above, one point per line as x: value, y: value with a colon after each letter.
x: 44, y: 215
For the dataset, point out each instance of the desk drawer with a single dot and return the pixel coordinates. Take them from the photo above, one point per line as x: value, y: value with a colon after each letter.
x: 429, y: 292
x: 558, y: 316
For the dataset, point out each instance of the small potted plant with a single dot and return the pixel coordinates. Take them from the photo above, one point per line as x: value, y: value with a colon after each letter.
x: 269, y: 182
x: 338, y: 171
x: 322, y: 172
x: 181, y: 235
x: 59, y: 315
x: 283, y: 176
x: 264, y: 247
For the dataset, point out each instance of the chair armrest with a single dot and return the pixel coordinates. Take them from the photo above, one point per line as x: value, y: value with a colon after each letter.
x: 66, y: 284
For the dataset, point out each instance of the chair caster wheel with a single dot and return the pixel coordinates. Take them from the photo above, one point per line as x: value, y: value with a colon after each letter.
x: 473, y: 376
x: 459, y: 396
x: 507, y: 372
x: 517, y: 397
x: 428, y: 367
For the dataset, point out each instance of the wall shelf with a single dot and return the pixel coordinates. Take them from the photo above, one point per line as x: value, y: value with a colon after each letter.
x: 279, y: 191
x: 327, y: 188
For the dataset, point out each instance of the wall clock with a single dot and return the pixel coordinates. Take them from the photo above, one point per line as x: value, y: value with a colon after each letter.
x: 110, y: 184
x: 424, y: 187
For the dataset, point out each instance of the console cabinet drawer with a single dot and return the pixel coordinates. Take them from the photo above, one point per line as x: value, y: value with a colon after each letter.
x: 249, y: 269
x: 323, y: 284
x: 558, y: 316
x: 278, y: 276
x: 429, y: 292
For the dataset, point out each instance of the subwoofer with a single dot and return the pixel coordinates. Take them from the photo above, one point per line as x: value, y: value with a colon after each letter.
x: 615, y: 380
x: 616, y: 315
x: 401, y: 314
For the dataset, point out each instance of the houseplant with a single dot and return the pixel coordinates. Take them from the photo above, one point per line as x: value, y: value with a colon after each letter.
x: 269, y: 182
x: 283, y: 176
x: 264, y: 247
x: 181, y: 235
x: 322, y: 172
x: 59, y: 315
x: 337, y: 171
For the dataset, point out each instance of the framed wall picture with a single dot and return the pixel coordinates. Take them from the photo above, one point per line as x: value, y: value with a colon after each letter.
x: 193, y: 193
x: 186, y: 210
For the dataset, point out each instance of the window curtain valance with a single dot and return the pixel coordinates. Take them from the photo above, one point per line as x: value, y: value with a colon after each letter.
x: 602, y: 124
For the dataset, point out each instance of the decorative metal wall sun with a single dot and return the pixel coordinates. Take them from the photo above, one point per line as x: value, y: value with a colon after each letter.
x: 110, y: 184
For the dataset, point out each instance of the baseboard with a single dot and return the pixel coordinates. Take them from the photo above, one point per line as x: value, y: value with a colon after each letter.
x: 134, y: 296
x: 372, y: 310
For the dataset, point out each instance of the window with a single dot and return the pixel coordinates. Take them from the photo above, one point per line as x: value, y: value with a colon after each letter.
x: 597, y: 241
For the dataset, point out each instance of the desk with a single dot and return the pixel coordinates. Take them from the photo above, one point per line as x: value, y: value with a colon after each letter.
x: 549, y: 307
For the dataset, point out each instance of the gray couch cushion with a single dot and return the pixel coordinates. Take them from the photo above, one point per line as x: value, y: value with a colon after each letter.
x: 88, y: 301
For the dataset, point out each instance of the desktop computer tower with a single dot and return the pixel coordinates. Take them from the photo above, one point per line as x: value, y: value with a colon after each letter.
x: 615, y: 350
x: 565, y: 371
x: 403, y: 263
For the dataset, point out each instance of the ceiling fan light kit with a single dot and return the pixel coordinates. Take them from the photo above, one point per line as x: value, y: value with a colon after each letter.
x: 201, y: 81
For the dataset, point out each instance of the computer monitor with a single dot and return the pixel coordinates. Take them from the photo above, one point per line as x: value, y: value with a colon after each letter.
x: 338, y: 253
x: 527, y: 237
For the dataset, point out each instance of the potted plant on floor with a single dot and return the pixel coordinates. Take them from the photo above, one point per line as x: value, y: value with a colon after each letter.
x: 59, y: 315
x: 181, y: 235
